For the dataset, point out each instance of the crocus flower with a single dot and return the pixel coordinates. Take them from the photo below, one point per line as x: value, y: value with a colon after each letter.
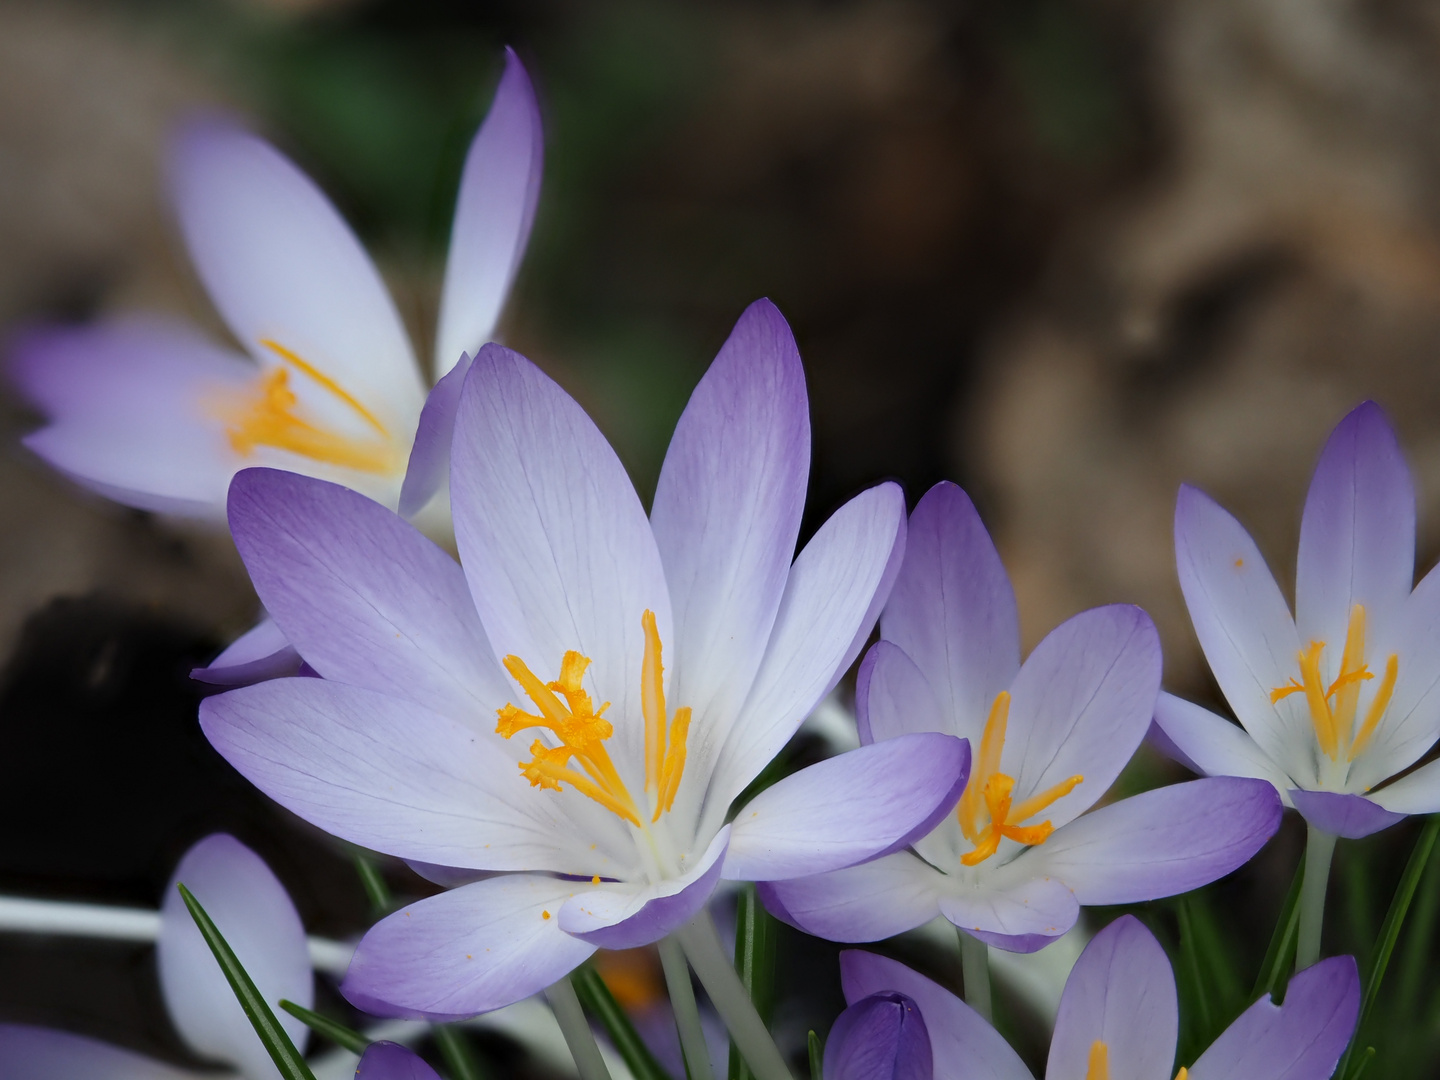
x: 254, y: 912
x: 391, y: 1061
x: 154, y: 415
x: 879, y: 1037
x: 640, y: 673
x: 1119, y: 1018
x: 1014, y: 860
x: 1338, y: 699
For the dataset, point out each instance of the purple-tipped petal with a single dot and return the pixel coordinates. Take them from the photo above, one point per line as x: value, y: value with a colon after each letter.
x: 364, y: 597
x: 893, y: 697
x: 832, y: 597
x: 848, y: 809
x: 252, y: 909
x: 391, y: 1061
x: 1161, y: 842
x: 1122, y: 993
x: 964, y: 1047
x: 282, y: 266
x: 1081, y: 706
x: 1022, y: 917
x: 1350, y: 816
x: 953, y: 610
x: 262, y: 652
x: 430, y: 455
x: 394, y: 777
x: 868, y: 902
x: 726, y: 517
x: 36, y: 1053
x: 1211, y: 745
x: 1357, y: 538
x: 467, y: 951
x: 499, y: 190
x: 131, y: 411
x: 628, y: 915
x: 1244, y: 627
x: 1300, y: 1040
x: 555, y: 543
x: 880, y: 1037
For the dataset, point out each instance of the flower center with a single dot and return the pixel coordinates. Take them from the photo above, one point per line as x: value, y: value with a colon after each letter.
x: 1333, y: 707
x: 582, y: 731
x: 989, y: 785
x: 269, y: 418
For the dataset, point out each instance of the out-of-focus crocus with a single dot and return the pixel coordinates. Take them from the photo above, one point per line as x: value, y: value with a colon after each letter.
x: 1345, y: 695
x: 154, y: 415
x: 391, y: 1061
x: 254, y: 912
x: 642, y: 673
x: 1014, y: 860
x: 879, y: 1037
x: 1119, y: 1018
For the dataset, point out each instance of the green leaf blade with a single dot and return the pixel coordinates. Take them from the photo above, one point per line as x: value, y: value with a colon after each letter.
x: 597, y: 1000
x: 326, y: 1028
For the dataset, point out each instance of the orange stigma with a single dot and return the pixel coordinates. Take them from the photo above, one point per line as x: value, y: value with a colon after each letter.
x: 989, y: 785
x: 1333, y: 708
x: 1099, y: 1063
x: 270, y: 418
x: 582, y: 731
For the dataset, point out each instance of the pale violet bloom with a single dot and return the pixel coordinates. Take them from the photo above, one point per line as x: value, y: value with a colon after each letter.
x: 254, y: 912
x: 391, y: 1061
x: 1118, y: 1018
x: 154, y: 414
x: 1017, y: 857
x: 881, y: 1036
x: 1338, y: 699
x: 581, y: 701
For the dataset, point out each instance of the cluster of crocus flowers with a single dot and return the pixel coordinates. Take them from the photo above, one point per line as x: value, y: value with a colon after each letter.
x: 1118, y: 1017
x: 654, y: 667
x: 1018, y: 855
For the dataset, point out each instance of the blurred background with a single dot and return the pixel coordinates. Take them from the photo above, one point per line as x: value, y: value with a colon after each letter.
x: 1068, y: 253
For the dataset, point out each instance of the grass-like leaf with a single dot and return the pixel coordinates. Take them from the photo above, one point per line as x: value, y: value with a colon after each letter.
x: 459, y: 1055
x: 755, y: 964
x: 381, y: 903
x: 326, y: 1028
x: 1280, y: 956
x: 274, y: 1037
x: 817, y: 1057
x: 595, y: 996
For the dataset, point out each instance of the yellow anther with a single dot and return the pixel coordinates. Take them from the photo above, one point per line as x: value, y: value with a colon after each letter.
x: 1182, y: 1074
x: 1099, y: 1066
x: 1332, y: 708
x: 270, y: 418
x: 988, y: 784
x: 565, y: 708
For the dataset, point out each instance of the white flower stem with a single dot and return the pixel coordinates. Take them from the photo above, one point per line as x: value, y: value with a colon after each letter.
x: 687, y: 1014
x: 576, y: 1029
x: 975, y: 969
x: 727, y: 993
x: 61, y: 917
x: 1319, y: 850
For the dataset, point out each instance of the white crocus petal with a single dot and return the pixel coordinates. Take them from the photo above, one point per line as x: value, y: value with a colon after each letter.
x: 36, y: 1053
x: 254, y: 913
x: 1216, y: 746
x: 499, y: 189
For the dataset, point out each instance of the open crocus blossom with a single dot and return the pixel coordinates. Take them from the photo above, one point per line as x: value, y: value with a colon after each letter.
x: 1338, y: 699
x: 254, y: 912
x: 1014, y: 860
x: 154, y: 415
x: 580, y: 705
x: 1119, y: 1018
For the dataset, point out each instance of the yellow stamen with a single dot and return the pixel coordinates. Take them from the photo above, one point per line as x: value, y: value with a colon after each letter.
x: 1332, y: 709
x: 989, y: 784
x: 1182, y: 1074
x: 582, y: 732
x: 269, y: 418
x: 1099, y: 1068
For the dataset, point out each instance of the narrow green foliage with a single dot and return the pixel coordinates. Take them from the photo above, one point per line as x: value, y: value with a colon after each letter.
x: 381, y: 903
x: 755, y: 964
x: 1389, y: 933
x: 326, y: 1028
x: 817, y: 1057
x: 1415, y: 957
x: 1280, y: 956
x: 274, y: 1037
x: 595, y: 996
x: 459, y: 1055
x: 1358, y: 876
x: 1363, y: 1063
